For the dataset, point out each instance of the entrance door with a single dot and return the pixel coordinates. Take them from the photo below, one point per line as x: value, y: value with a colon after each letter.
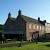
x: 30, y: 36
x: 33, y: 36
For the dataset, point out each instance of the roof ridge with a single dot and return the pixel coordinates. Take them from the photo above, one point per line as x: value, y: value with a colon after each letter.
x: 29, y: 17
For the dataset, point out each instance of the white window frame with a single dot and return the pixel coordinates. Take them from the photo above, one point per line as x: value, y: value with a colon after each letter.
x: 46, y: 28
x: 40, y: 27
x: 37, y: 27
x: 34, y: 27
x: 30, y: 26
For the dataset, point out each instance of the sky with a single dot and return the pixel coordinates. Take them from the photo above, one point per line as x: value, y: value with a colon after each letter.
x: 31, y: 8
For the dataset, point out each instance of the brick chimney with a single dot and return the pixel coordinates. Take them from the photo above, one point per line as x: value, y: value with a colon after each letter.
x: 19, y: 12
x: 9, y: 15
x: 44, y: 21
x: 38, y: 19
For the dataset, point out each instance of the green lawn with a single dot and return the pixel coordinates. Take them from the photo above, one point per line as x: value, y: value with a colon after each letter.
x: 33, y: 46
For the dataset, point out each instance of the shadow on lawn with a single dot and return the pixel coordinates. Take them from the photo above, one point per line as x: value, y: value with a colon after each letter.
x: 48, y: 45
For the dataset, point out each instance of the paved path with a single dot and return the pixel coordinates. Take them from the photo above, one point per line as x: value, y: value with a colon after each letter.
x: 7, y: 45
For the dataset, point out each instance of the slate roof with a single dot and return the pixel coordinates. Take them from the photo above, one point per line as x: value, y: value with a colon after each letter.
x: 28, y: 19
x: 31, y: 20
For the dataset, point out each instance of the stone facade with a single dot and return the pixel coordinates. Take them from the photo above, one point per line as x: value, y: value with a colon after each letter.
x: 47, y: 27
x: 34, y: 29
x: 23, y: 26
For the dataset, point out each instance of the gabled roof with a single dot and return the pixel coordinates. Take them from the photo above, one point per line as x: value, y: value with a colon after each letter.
x: 11, y: 19
x: 32, y: 20
x: 28, y: 19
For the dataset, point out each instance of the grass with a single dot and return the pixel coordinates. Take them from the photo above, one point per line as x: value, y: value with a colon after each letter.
x: 33, y: 46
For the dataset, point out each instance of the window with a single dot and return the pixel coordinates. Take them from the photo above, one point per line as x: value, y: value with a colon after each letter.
x: 30, y: 26
x: 40, y: 27
x: 46, y: 29
x: 37, y: 27
x: 33, y: 26
x: 48, y: 24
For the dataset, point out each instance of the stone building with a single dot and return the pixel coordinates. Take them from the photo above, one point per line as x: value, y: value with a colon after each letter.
x: 47, y: 30
x: 23, y: 26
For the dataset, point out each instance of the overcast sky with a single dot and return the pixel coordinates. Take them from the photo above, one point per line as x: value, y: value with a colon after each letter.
x: 31, y: 8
